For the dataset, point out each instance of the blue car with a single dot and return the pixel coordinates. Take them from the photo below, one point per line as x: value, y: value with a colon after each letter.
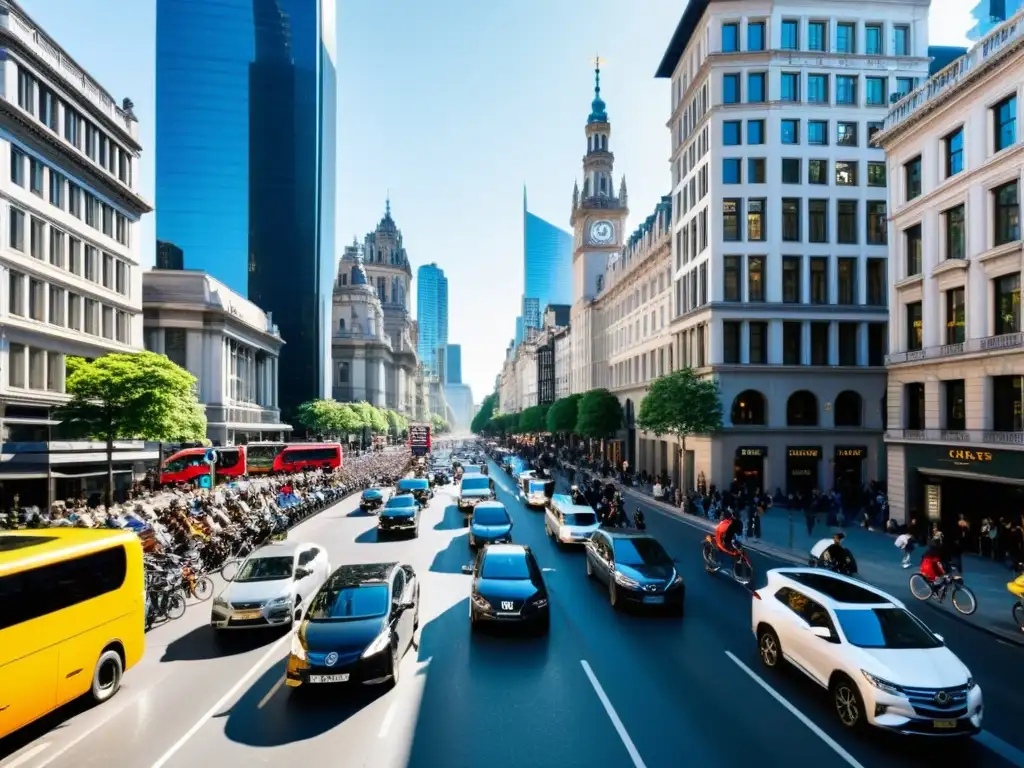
x: 371, y: 500
x: 490, y: 524
x: 417, y: 486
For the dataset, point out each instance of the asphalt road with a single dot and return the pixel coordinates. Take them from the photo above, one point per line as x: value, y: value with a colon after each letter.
x: 604, y: 689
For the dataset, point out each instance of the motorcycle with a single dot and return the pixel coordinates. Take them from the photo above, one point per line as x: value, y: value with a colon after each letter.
x: 821, y: 557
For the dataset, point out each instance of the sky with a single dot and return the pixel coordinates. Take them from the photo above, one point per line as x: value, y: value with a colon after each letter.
x: 451, y: 106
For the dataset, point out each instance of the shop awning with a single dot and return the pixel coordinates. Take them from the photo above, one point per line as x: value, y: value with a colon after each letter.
x: 971, y: 476
x: 75, y: 476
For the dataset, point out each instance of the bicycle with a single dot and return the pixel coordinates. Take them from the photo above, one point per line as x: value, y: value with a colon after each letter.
x: 164, y: 602
x: 742, y: 568
x: 196, y: 584
x: 952, y: 583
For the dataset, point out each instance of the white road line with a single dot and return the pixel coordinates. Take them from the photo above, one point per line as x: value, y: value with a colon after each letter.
x: 216, y: 708
x: 24, y: 757
x: 850, y: 759
x: 613, y: 716
x: 271, y: 693
x: 389, y: 716
x: 1006, y: 751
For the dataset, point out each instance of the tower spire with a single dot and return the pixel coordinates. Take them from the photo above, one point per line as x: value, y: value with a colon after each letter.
x: 598, y: 114
x: 387, y: 204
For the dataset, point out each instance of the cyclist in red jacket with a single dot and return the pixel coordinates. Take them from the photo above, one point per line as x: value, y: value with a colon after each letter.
x: 932, y: 567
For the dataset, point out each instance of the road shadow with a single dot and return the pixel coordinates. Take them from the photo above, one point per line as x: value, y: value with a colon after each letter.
x: 360, y: 512
x: 454, y: 556
x: 204, y: 642
x: 452, y: 519
x: 50, y: 725
x: 373, y: 536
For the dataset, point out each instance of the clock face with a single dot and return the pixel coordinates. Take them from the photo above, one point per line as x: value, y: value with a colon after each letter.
x: 602, y: 231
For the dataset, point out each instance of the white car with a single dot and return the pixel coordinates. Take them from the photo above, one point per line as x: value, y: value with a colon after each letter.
x: 881, y: 665
x: 569, y: 523
x: 271, y: 586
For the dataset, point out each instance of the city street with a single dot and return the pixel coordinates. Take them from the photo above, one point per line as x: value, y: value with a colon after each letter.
x: 604, y: 689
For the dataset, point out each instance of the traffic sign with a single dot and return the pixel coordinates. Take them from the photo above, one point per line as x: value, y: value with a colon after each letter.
x: 205, y: 481
x: 211, y: 456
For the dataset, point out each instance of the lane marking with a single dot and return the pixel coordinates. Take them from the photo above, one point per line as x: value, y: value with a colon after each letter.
x: 24, y: 757
x: 216, y: 708
x: 613, y: 716
x: 1006, y: 751
x: 850, y: 759
x: 271, y: 692
x: 385, y: 726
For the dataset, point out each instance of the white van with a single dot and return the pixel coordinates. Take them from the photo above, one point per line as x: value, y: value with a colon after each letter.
x: 569, y: 523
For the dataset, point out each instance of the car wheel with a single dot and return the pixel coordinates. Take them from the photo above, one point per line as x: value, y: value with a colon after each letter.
x: 848, y: 703
x: 106, y: 677
x: 769, y: 648
x: 396, y: 666
x: 613, y: 593
x: 590, y: 569
x: 416, y: 619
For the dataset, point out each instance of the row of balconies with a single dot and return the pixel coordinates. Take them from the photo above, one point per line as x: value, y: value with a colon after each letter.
x: 968, y: 347
x: 967, y: 436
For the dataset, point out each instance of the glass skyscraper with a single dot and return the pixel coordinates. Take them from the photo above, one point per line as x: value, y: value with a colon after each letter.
x: 245, y: 167
x: 431, y: 315
x: 453, y: 364
x: 547, y: 267
x: 989, y: 14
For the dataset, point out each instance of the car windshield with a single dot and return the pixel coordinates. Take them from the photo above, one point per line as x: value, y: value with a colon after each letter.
x: 401, y: 501
x: 640, y: 551
x: 885, y: 628
x: 490, y: 516
x: 475, y: 484
x: 505, y: 566
x: 537, y: 486
x: 471, y: 469
x: 580, y: 518
x: 265, y: 569
x: 359, y: 602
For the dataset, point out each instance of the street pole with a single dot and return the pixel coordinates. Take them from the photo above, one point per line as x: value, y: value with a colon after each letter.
x: 789, y: 514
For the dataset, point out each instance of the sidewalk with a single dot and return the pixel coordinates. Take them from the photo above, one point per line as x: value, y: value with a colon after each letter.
x: 878, y: 562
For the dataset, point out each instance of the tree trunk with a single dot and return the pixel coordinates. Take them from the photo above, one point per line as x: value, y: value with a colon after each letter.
x: 110, y: 470
x: 682, y: 465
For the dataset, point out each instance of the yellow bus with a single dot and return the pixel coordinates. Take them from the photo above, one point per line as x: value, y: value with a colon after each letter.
x: 72, y: 618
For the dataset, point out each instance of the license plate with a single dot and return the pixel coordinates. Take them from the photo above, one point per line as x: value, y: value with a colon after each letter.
x: 246, y: 615
x: 507, y: 615
x: 944, y: 724
x: 654, y: 600
x: 328, y: 678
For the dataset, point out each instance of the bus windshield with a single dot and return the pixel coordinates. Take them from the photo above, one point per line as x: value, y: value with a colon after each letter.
x: 261, y: 457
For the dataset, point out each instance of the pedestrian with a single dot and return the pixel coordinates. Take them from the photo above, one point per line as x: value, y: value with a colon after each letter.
x: 905, y: 543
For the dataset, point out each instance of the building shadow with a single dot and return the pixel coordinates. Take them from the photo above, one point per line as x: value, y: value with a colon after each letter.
x: 452, y: 519
x: 204, y: 642
x: 454, y: 556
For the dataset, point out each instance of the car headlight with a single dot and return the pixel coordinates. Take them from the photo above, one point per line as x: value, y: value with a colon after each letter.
x: 381, y: 642
x: 881, y: 684
x: 220, y: 602
x: 625, y: 581
x: 540, y: 602
x: 278, y: 602
x: 676, y: 580
x: 480, y: 603
x: 970, y: 682
x: 298, y: 647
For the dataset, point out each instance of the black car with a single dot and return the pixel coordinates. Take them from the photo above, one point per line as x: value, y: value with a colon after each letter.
x: 358, y: 627
x: 371, y: 500
x: 636, y: 568
x: 401, y: 513
x: 508, y: 588
x: 490, y: 524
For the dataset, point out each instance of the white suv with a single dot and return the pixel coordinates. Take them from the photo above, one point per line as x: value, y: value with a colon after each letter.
x: 881, y: 665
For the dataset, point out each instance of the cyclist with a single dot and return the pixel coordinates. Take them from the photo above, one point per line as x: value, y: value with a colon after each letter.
x: 932, y: 567
x: 726, y: 533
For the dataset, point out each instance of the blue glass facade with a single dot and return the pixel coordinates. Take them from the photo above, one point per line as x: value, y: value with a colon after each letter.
x: 547, y: 264
x: 431, y: 315
x: 454, y: 364
x: 245, y: 166
x: 989, y: 14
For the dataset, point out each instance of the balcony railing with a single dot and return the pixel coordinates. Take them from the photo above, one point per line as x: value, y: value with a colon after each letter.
x: 974, y: 436
x: 969, y: 347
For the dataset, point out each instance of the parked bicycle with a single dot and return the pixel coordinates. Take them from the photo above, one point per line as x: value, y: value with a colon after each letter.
x: 952, y: 584
x: 163, y: 602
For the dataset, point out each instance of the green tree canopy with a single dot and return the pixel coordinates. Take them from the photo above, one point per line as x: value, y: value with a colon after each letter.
x: 329, y: 417
x: 481, y: 423
x: 129, y: 396
x: 600, y: 414
x: 398, y: 425
x: 438, y: 425
x: 371, y: 417
x: 534, y: 419
x: 563, y: 415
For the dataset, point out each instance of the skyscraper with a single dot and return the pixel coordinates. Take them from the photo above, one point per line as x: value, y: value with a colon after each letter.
x: 431, y: 314
x: 245, y: 132
x: 989, y: 14
x: 454, y: 364
x: 547, y: 266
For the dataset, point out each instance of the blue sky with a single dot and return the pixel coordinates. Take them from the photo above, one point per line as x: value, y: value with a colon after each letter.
x: 453, y: 105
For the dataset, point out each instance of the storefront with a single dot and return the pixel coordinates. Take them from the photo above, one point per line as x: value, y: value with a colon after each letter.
x: 748, y: 467
x: 802, y: 468
x: 848, y: 466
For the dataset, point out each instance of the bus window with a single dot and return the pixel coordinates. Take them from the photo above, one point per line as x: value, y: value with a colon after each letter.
x: 228, y: 458
x: 259, y: 457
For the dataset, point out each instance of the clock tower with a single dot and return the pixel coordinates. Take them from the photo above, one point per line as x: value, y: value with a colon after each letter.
x: 598, y: 214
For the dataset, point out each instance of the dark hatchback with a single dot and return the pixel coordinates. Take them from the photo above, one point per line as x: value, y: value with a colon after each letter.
x: 490, y: 524
x: 508, y: 588
x: 359, y: 626
x: 636, y: 569
x: 401, y: 514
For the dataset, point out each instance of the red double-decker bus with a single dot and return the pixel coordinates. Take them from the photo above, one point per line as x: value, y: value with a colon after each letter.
x: 297, y: 457
x: 188, y: 465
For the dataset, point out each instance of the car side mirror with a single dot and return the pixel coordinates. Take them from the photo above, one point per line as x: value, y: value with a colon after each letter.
x: 823, y: 632
x: 301, y: 573
x: 467, y: 569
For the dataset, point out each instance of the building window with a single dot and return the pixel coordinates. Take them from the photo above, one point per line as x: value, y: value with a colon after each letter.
x: 18, y: 160
x: 755, y: 132
x: 817, y: 221
x: 873, y: 129
x: 16, y: 365
x: 819, y: 280
x: 36, y: 300
x: 1007, y: 213
x: 731, y: 88
x: 817, y: 36
x: 74, y: 312
x: 877, y: 288
x: 956, y: 413
x: 846, y: 89
x: 732, y: 133
x: 730, y: 37
x: 731, y: 220
x: 1007, y: 304
x: 756, y: 87
x: 955, y: 316
x: 876, y: 173
x: 846, y: 134
x: 755, y: 220
x: 731, y: 275
x: 874, y: 91
x: 56, y: 247
x: 756, y: 170
x: 912, y: 178
x: 846, y: 38
x: 817, y: 171
x: 36, y: 245
x: 16, y: 288
x: 35, y: 177
x: 56, y: 306
x: 817, y: 132
x: 790, y: 39
x: 913, y: 244
x: 791, y: 267
x: 1004, y: 123
x: 846, y: 224
x: 878, y: 341
x: 901, y: 40
x: 792, y: 343
x: 176, y: 345
x: 915, y: 330
x: 26, y: 91
x: 914, y: 401
x: 732, y: 170
x: 953, y: 146
x: 846, y: 173
x: 820, y: 344
x: 790, y: 86
x: 758, y: 343
x: 755, y: 278
x: 953, y: 220
x: 56, y: 189
x: 847, y: 351
x: 16, y: 230
x: 791, y: 219
x: 1007, y: 402
x: 873, y: 39
x: 755, y: 36
x: 731, y: 332
x: 877, y: 221
x: 847, y: 281
x: 817, y: 89
x: 790, y: 131
x: 791, y: 170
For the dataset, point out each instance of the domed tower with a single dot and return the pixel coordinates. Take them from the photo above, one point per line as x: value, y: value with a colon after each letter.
x: 360, y: 349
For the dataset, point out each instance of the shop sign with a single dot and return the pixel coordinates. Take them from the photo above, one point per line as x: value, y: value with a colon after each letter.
x: 851, y: 452
x: 803, y: 452
x: 752, y: 452
x: 987, y: 461
x: 967, y: 456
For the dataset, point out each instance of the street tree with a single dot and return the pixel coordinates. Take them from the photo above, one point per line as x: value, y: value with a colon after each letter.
x: 534, y: 419
x: 128, y: 396
x: 482, y: 420
x: 329, y: 418
x: 563, y: 415
x: 438, y: 425
x: 600, y: 414
x: 371, y: 417
x: 398, y: 425
x: 681, y: 404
